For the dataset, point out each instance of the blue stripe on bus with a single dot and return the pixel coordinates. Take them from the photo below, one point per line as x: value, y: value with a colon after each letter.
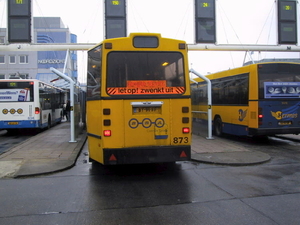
x: 21, y: 124
x: 161, y: 136
x: 235, y: 129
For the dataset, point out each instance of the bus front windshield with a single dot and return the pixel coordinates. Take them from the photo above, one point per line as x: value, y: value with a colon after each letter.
x: 279, y: 80
x: 151, y: 72
x: 16, y: 91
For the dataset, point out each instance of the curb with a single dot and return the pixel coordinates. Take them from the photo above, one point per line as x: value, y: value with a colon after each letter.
x: 232, y: 158
x: 46, y: 166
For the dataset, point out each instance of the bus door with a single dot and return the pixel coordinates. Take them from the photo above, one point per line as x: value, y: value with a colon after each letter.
x: 147, y: 123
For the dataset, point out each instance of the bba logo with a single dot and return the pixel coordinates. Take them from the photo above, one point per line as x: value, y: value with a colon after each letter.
x: 242, y: 114
x: 280, y: 115
x: 288, y: 113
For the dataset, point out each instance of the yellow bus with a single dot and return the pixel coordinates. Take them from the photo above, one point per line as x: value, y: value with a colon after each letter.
x: 257, y: 100
x: 138, y: 100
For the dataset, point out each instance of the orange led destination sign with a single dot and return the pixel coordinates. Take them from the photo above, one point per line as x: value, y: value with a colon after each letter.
x: 145, y: 87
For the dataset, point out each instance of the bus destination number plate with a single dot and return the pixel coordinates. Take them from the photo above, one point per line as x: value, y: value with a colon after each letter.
x: 284, y: 123
x: 13, y: 123
x: 146, y: 110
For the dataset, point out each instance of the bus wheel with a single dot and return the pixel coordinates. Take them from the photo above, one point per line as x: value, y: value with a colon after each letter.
x: 91, y: 160
x: 49, y: 122
x: 12, y: 131
x: 218, y: 126
x: 60, y: 119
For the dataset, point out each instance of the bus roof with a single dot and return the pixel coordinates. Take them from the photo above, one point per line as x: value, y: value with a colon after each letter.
x: 126, y: 42
x: 29, y: 80
x: 231, y: 72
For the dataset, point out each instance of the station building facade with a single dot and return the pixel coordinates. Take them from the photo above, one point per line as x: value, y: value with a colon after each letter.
x: 36, y: 65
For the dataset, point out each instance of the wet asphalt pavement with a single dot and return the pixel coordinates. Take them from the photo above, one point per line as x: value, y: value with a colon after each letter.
x: 180, y: 193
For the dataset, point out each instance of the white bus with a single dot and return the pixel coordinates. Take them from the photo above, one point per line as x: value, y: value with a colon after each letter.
x: 29, y: 103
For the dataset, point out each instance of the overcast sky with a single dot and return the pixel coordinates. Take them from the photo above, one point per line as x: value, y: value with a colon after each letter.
x: 238, y: 22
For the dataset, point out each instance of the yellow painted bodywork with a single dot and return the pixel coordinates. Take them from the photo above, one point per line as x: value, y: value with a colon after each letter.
x: 137, y: 129
x: 231, y: 114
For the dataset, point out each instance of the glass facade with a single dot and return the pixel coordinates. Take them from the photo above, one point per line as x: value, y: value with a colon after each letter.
x: 36, y: 64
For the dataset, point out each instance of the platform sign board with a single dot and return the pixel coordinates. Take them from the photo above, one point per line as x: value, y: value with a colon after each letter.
x: 19, y: 21
x: 205, y: 21
x: 115, y: 18
x: 287, y: 22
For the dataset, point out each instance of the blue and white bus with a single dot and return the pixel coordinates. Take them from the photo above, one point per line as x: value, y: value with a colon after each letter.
x: 29, y: 103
